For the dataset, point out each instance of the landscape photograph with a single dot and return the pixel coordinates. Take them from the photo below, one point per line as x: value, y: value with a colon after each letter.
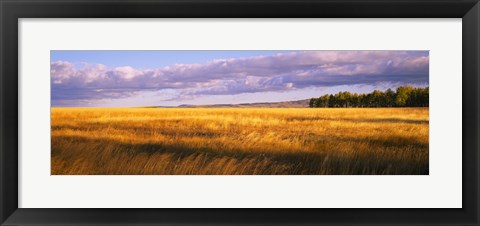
x: 239, y: 112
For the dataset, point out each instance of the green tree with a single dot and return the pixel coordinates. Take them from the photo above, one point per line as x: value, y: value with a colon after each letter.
x: 389, y: 98
x: 311, y: 103
x: 377, y: 99
x: 403, y: 93
x: 405, y: 96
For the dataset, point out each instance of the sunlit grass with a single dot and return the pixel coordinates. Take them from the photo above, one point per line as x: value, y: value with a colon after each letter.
x: 245, y: 141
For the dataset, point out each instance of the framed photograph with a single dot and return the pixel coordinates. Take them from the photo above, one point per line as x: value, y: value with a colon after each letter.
x: 239, y: 112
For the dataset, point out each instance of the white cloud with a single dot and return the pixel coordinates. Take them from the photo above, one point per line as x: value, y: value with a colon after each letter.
x: 242, y: 75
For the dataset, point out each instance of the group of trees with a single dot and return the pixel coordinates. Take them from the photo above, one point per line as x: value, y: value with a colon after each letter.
x: 405, y: 96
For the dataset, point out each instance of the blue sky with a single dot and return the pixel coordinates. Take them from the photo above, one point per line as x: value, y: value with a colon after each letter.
x: 151, y: 58
x: 169, y: 78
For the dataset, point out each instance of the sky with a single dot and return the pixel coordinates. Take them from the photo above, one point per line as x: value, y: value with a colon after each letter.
x: 107, y: 78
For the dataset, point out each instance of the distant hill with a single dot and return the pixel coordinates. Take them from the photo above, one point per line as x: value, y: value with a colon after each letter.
x: 283, y: 104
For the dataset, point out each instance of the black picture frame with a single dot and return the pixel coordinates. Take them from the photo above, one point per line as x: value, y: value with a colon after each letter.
x: 12, y: 10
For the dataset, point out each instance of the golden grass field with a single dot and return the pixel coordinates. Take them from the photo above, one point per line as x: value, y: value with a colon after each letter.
x: 246, y: 141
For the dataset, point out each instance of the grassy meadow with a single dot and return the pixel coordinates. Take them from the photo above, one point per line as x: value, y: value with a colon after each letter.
x: 239, y: 141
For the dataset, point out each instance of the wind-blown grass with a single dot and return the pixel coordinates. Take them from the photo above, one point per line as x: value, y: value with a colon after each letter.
x: 249, y: 141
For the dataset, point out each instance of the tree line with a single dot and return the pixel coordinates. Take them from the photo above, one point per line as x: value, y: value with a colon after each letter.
x: 404, y: 96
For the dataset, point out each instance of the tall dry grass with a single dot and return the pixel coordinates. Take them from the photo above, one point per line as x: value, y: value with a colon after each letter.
x: 247, y: 141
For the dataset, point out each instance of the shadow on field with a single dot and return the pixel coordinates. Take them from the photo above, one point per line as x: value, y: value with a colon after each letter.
x: 387, y: 120
x: 388, y: 142
x: 107, y: 156
x: 361, y: 120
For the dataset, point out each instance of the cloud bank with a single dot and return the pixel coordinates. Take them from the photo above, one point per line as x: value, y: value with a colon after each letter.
x: 281, y: 72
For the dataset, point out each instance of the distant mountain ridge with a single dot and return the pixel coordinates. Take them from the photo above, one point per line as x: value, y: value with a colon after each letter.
x: 283, y: 104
